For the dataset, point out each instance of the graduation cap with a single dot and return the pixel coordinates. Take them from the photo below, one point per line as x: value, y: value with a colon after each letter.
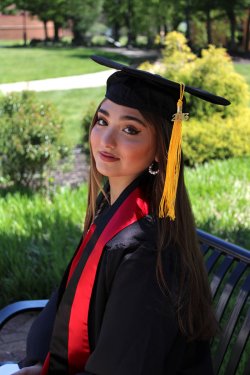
x: 149, y: 92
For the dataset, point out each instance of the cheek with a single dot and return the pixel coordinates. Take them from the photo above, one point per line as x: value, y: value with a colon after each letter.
x: 142, y: 153
x: 93, y: 139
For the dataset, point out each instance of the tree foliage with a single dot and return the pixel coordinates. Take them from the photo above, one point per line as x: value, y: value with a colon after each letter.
x: 29, y: 138
x: 213, y: 131
x: 136, y: 17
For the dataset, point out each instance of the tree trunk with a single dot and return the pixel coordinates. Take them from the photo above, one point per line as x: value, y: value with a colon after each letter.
x: 129, y: 24
x: 232, y: 20
x: 56, y: 31
x: 247, y: 39
x: 116, y: 31
x: 187, y: 14
x: 45, y: 30
x: 209, y: 27
x: 78, y: 38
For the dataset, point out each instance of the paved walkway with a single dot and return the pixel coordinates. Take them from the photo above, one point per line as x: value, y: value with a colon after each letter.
x: 63, y: 83
x: 79, y: 81
x: 13, y: 337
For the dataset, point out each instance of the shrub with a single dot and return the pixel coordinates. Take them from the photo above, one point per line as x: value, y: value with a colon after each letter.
x: 216, y: 138
x: 30, y: 138
x: 86, y: 122
x: 213, y: 71
x: 213, y: 132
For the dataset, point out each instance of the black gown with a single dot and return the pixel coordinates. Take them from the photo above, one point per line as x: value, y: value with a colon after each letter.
x: 131, y: 324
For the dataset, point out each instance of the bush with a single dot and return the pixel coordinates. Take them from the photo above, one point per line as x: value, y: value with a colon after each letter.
x: 86, y: 122
x: 213, y: 71
x: 213, y: 132
x: 30, y: 138
x: 215, y: 138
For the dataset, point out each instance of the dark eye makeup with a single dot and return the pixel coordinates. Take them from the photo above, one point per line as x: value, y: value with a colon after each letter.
x: 128, y: 129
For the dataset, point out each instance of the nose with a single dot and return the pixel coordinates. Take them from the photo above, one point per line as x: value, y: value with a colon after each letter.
x: 108, y: 138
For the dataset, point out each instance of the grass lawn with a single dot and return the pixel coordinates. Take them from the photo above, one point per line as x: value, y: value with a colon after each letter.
x: 38, y: 232
x: 243, y: 69
x: 72, y: 104
x: 26, y: 64
x: 220, y: 196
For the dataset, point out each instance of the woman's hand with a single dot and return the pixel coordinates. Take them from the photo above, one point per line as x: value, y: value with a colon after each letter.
x: 31, y: 370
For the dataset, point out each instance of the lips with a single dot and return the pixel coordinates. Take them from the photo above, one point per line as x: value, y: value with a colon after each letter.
x: 106, y: 156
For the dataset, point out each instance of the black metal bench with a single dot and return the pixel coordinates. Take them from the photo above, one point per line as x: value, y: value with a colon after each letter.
x: 229, y: 273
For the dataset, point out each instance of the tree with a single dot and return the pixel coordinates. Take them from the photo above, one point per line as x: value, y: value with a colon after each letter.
x: 247, y: 39
x: 46, y: 10
x: 232, y: 9
x: 4, y: 4
x: 82, y: 13
x: 205, y: 8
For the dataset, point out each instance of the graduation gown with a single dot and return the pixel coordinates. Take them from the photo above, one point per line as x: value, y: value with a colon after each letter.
x: 132, y: 326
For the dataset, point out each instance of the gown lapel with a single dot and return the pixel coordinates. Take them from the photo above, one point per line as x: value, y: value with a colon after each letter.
x: 69, y: 348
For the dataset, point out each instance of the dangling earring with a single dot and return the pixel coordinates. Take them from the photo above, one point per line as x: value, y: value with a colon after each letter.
x: 153, y: 168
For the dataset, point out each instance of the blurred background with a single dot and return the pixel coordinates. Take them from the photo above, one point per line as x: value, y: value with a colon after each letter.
x: 49, y: 89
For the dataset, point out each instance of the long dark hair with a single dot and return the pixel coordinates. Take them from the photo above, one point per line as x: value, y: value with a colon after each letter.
x: 193, y: 301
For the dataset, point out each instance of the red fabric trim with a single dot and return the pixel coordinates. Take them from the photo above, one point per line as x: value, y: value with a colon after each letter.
x: 80, y: 251
x: 45, y: 365
x: 131, y: 210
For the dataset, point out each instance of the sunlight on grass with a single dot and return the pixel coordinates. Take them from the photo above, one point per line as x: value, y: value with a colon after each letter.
x: 26, y: 64
x: 39, y: 232
x: 244, y: 70
x: 220, y: 196
x: 72, y: 105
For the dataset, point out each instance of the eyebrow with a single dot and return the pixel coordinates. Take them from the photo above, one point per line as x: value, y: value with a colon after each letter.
x: 126, y: 117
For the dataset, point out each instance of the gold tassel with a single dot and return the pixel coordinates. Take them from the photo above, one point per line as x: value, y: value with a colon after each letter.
x: 167, y: 204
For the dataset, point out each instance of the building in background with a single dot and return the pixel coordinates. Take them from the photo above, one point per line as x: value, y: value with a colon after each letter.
x: 23, y: 26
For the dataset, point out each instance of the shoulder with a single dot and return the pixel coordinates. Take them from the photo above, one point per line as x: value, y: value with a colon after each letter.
x: 135, y: 250
x: 141, y: 232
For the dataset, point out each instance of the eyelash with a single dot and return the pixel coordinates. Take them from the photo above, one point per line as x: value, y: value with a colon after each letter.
x: 132, y: 129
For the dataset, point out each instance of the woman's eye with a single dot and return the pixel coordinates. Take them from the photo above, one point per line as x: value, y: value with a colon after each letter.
x: 101, y: 122
x: 131, y: 130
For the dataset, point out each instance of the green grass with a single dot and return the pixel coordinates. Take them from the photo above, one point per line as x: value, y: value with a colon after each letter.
x: 220, y: 196
x: 26, y: 64
x: 72, y: 105
x: 38, y: 235
x: 244, y: 70
x: 38, y: 232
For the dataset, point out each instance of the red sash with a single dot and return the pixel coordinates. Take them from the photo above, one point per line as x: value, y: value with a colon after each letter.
x: 131, y: 210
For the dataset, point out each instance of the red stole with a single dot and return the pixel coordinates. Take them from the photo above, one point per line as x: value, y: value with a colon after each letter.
x: 69, y: 349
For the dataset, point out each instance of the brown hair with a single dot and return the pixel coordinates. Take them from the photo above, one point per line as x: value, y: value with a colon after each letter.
x: 193, y: 301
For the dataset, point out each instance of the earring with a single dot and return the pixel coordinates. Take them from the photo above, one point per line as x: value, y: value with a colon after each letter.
x: 153, y: 168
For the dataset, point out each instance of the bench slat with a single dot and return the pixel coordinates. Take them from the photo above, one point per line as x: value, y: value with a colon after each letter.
x: 211, y: 261
x: 247, y: 368
x: 229, y: 288
x: 231, y: 324
x: 239, y: 347
x: 219, y: 274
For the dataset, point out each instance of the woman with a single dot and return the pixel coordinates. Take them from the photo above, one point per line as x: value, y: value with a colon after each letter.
x: 135, y: 298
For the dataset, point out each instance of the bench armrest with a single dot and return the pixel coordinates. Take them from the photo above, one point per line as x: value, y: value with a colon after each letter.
x: 19, y: 307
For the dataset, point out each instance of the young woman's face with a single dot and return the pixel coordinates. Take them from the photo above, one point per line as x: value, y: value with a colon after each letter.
x: 122, y: 142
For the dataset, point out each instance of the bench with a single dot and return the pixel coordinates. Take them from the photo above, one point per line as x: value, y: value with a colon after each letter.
x: 228, y: 268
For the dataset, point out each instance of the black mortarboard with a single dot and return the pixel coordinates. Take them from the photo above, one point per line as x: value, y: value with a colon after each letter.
x: 146, y: 91
x: 152, y: 93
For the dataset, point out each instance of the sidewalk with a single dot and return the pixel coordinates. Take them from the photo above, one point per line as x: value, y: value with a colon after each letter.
x: 63, y: 83
x: 13, y: 337
x: 79, y: 81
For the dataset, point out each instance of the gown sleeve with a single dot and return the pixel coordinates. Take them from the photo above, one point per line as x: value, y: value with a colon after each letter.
x: 37, y: 344
x: 139, y: 334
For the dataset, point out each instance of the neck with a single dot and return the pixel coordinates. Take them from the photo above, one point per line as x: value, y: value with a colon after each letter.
x: 117, y: 186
